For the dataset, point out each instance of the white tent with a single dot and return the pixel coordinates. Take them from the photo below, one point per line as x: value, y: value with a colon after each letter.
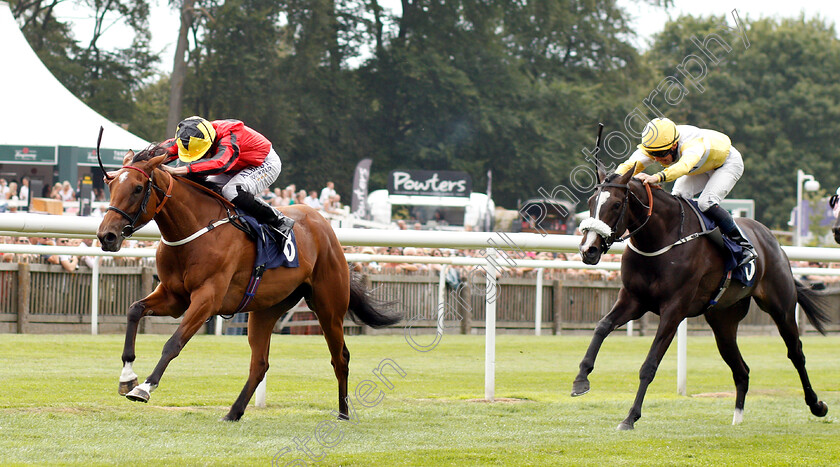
x: 38, y: 113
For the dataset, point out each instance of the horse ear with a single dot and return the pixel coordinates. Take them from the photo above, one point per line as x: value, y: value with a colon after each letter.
x: 128, y: 156
x: 601, y: 173
x: 157, y: 160
x: 624, y: 179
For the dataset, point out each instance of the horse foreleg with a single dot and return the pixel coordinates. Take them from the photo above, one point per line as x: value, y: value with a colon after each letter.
x: 664, y: 335
x: 626, y: 308
x: 159, y: 303
x: 724, y: 324
x: 260, y: 326
x: 194, y: 318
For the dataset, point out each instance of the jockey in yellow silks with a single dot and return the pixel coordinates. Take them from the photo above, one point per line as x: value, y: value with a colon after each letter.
x: 697, y: 160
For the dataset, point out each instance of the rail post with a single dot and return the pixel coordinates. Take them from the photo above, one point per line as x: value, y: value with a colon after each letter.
x: 23, y: 293
x: 538, y: 303
x: 557, y: 305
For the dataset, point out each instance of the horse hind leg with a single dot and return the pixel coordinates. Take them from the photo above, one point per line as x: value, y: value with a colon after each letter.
x: 785, y: 320
x: 330, y: 308
x: 724, y: 324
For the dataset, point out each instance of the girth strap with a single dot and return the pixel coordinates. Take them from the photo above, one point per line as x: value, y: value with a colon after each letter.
x: 251, y: 290
x: 724, y: 284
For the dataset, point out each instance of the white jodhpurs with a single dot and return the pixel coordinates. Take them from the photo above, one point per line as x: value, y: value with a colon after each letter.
x: 252, y: 179
x: 713, y: 185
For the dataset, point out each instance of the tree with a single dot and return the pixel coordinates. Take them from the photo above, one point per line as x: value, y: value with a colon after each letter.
x: 778, y: 100
x: 106, y: 80
x: 499, y: 85
x: 179, y: 67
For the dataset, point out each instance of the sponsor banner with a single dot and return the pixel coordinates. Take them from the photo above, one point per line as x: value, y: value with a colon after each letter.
x: 27, y: 154
x: 429, y: 183
x: 361, y: 177
x: 110, y: 157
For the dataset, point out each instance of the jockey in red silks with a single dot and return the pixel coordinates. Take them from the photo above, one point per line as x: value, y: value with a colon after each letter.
x: 697, y: 161
x: 233, y: 156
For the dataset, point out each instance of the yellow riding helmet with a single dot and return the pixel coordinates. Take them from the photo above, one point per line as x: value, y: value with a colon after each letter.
x: 194, y: 137
x: 659, y: 134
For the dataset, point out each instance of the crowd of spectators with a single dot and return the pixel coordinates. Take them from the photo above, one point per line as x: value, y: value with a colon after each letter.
x: 328, y: 202
x: 457, y: 274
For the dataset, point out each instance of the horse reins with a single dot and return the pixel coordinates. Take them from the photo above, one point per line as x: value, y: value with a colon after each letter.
x: 129, y: 229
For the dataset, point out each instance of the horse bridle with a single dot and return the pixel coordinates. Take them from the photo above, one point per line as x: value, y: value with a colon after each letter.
x: 608, y: 241
x: 132, y: 227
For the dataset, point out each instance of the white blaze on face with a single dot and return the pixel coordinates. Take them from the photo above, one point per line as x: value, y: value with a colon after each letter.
x: 602, y: 200
x: 590, y: 236
x: 123, y: 176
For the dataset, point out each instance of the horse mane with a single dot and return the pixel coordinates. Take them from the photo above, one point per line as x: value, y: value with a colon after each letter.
x: 153, y: 150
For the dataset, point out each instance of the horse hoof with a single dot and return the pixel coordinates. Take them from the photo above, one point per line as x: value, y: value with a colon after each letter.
x: 819, y: 409
x: 127, y: 386
x: 580, y: 388
x: 231, y: 418
x: 138, y: 395
x: 343, y: 416
x: 624, y: 426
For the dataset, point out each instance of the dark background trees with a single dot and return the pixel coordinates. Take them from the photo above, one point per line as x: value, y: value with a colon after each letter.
x: 513, y: 87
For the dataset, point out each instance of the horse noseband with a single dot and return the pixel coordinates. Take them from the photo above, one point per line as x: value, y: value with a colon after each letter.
x: 132, y: 227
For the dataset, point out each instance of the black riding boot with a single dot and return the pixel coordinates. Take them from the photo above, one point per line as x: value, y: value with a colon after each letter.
x: 264, y: 213
x: 729, y: 228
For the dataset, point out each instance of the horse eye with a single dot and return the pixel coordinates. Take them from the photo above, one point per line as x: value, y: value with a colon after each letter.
x: 138, y: 189
x: 616, y: 205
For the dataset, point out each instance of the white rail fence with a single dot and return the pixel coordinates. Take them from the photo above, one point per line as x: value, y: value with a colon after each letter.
x: 24, y: 224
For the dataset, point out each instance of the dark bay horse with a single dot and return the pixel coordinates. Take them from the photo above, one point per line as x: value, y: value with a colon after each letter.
x: 209, y: 275
x: 681, y: 281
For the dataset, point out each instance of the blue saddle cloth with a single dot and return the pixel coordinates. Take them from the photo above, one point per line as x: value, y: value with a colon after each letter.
x: 746, y: 273
x: 268, y: 247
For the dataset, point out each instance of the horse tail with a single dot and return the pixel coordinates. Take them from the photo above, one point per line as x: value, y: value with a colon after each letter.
x: 814, y: 304
x: 366, y: 309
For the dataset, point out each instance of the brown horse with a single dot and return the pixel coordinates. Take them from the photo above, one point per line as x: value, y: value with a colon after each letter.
x: 209, y: 275
x: 678, y: 280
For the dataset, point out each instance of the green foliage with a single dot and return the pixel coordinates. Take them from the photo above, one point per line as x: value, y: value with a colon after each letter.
x: 106, y: 80
x: 513, y: 87
x: 778, y: 100
x: 149, y: 115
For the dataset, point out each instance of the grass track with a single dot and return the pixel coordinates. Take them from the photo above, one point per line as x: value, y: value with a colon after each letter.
x: 58, y: 404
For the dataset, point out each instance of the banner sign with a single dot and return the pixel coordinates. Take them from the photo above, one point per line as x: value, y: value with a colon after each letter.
x: 429, y: 183
x: 27, y: 154
x: 110, y: 157
x: 360, y: 188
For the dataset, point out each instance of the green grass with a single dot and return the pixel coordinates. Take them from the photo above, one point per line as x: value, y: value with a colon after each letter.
x: 59, y: 404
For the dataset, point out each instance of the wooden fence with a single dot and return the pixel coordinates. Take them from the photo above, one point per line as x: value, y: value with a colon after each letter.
x: 40, y: 298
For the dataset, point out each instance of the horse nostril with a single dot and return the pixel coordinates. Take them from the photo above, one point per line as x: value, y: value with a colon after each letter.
x: 109, y: 238
x: 591, y: 251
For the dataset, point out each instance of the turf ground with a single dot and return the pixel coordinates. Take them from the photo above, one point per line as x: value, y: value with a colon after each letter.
x: 59, y: 404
